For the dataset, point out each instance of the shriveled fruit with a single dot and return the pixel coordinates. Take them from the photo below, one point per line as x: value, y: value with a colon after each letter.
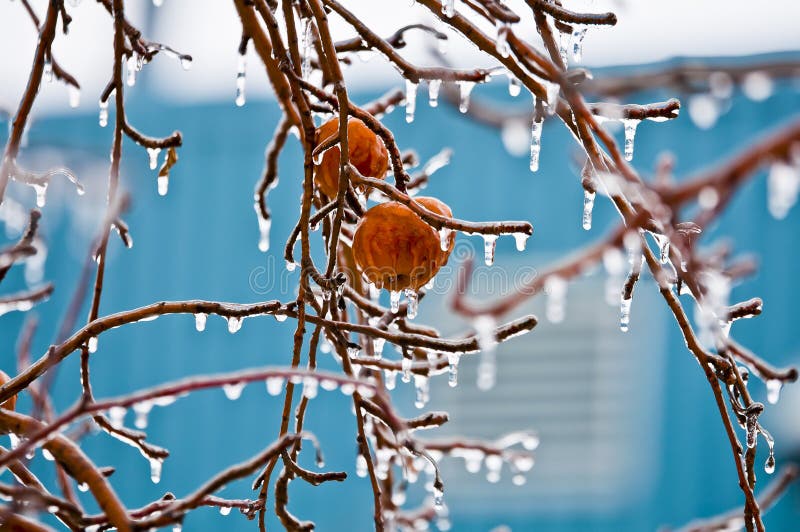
x: 395, y: 249
x: 366, y: 149
x: 11, y: 402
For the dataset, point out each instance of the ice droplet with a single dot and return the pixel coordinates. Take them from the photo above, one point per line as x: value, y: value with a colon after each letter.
x: 310, y: 387
x: 241, y: 79
x: 502, y: 39
x: 783, y: 185
x: 588, y: 206
x: 233, y: 390
x: 751, y: 428
x: 274, y: 385
x: 200, y: 321
x: 556, y: 289
x: 142, y: 410
x: 769, y: 465
x: 103, y: 113
x: 422, y: 390
x: 152, y: 154
x: 514, y: 86
x: 390, y: 378
x: 264, y: 225
x: 74, y: 96
x: 394, y: 300
x: 625, y: 313
x: 448, y: 8
x: 234, y: 324
x: 465, y: 88
x: 377, y: 346
x: 577, y: 43
x: 412, y: 303
x: 290, y: 266
x: 452, y: 361
x: 411, y: 100
x: 489, y: 244
x: 494, y: 464
x: 162, y: 182
x: 92, y: 344
x: 520, y: 239
x: 774, y: 387
x: 433, y: 92
x: 757, y: 86
x: 536, y: 144
x: 224, y: 510
x: 630, y: 134
x: 444, y: 238
x: 405, y: 365
x: 438, y: 497
x: 155, y: 469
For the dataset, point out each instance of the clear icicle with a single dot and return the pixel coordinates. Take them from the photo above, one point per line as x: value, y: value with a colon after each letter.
x: 390, y: 379
x: 751, y: 428
x: 520, y: 239
x: 142, y: 410
x: 47, y: 71
x: 502, y: 39
x: 411, y: 100
x: 116, y: 416
x: 625, y: 313
x: 465, y: 89
x: 577, y: 43
x: 536, y: 140
x: 564, y: 41
x: 155, y: 469
x: 769, y: 465
x: 41, y: 193
x: 774, y: 387
x: 103, y: 113
x: 412, y: 303
x: 152, y: 154
x: 377, y: 346
x: 433, y: 92
x: 452, y: 362
x: 234, y: 324
x: 422, y: 388
x: 405, y: 365
x: 394, y: 300
x: 630, y: 134
x: 241, y: 79
x: 200, y: 321
x: 305, y: 46
x: 588, y: 206
x: 74, y: 96
x: 514, y: 86
x: 448, y: 8
x: 556, y: 289
x: 489, y: 244
x: 551, y: 90
x: 264, y: 225
x: 130, y: 67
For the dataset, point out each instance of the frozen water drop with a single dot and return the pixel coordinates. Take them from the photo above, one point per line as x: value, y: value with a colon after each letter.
x: 103, y: 113
x: 264, y: 226
x: 290, y: 266
x: 224, y: 510
x: 588, y: 206
x: 233, y: 390
x: 390, y: 379
x: 774, y: 390
x: 162, y: 182
x: 274, y: 385
x: 465, y: 89
x: 411, y: 100
x: 489, y: 244
x: 406, y: 367
x: 74, y: 96
x: 361, y: 466
x: 92, y: 344
x: 444, y: 238
x: 83, y: 487
x: 704, y: 110
x: 536, y: 144
x: 186, y: 63
x: 234, y: 324
x: 630, y: 134
x: 152, y: 154
x: 448, y: 8
x: 783, y: 186
x: 433, y: 92
x: 200, y: 321
x: 421, y: 387
x: 625, y: 314
x: 502, y: 46
x: 155, y: 469
x: 452, y: 361
x: 310, y: 387
x: 142, y: 410
x: 41, y: 193
x: 394, y: 300
x: 514, y: 86
x: 116, y: 415
x: 520, y: 239
x: 241, y: 80
x: 47, y: 455
x: 757, y: 86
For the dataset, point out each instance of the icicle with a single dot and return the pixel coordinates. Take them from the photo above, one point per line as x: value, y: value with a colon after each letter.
x: 233, y: 390
x: 452, y: 361
x: 280, y: 318
x: 556, y: 289
x: 41, y: 193
x: 751, y: 428
x: 588, y: 206
x: 422, y: 390
x: 353, y: 350
x: 536, y: 139
x: 361, y: 466
x: 769, y: 465
x: 155, y: 469
x: 186, y: 62
x: 390, y: 379
x: 92, y: 344
x: 564, y: 41
x: 130, y: 66
x: 116, y: 415
x: 489, y: 243
x: 438, y: 497
x: 405, y: 365
x: 377, y: 346
x: 310, y: 387
x: 520, y: 239
x: 577, y: 43
x: 200, y: 321
x: 411, y: 100
x: 162, y: 182
x: 448, y: 8
x: 394, y: 299
x: 74, y: 96
x: 663, y: 247
x: 103, y: 113
x: 630, y: 133
x: 264, y: 225
x: 465, y: 88
x: 412, y: 303
x: 241, y: 80
x: 234, y: 324
x: 224, y: 510
x: 444, y: 238
x: 152, y: 154
x: 625, y: 313
x: 783, y: 186
x: 502, y: 39
x: 433, y: 92
x: 494, y: 464
x: 774, y: 390
x: 142, y: 410
x: 514, y: 86
x: 274, y: 385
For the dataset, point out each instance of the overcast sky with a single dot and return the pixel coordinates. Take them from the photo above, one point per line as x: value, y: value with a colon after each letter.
x: 648, y: 30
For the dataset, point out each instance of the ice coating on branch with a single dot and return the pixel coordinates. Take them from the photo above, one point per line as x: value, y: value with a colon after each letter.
x: 502, y: 39
x: 234, y: 324
x: 630, y: 134
x: 588, y: 206
x: 520, y: 239
x: 448, y: 8
x: 305, y: 47
x: 200, y: 321
x: 433, y: 92
x: 411, y: 100
x: 421, y: 385
x: 155, y: 469
x: 551, y: 90
x: 241, y: 80
x: 103, y: 120
x: 74, y: 96
x: 489, y: 244
x: 556, y: 289
x: 452, y: 368
x: 233, y: 390
x: 514, y: 86
x: 412, y: 303
x: 274, y: 385
x: 578, y: 33
x: 494, y: 464
x: 783, y: 185
x: 465, y: 89
x: 264, y: 225
x: 751, y: 428
x: 774, y: 387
